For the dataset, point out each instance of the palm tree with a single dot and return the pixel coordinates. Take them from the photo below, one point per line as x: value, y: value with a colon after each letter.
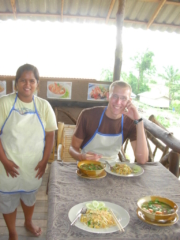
x: 172, y: 77
x: 144, y: 64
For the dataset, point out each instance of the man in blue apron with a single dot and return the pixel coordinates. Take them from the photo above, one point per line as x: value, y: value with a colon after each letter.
x: 101, y: 131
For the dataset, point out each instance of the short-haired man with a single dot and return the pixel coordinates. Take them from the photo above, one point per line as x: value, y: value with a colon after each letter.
x: 101, y: 131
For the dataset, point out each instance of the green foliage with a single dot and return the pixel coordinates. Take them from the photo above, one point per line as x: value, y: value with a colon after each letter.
x: 176, y: 105
x: 133, y: 81
x: 163, y: 121
x: 144, y: 64
x: 153, y: 81
x: 106, y: 75
x: 172, y: 78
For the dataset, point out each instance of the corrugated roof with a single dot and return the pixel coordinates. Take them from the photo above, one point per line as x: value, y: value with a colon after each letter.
x: 153, y: 14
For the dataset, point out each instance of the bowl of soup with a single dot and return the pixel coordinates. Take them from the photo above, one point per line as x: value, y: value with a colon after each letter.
x: 91, y: 168
x: 158, y: 208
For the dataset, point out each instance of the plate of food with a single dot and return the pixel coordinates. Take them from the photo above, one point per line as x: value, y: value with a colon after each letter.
x: 98, y: 218
x: 124, y: 169
x: 57, y: 90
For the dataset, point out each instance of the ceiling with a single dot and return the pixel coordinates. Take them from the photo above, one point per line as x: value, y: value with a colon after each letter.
x: 160, y: 15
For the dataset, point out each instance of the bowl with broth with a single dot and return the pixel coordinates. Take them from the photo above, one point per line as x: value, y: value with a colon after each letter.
x: 158, y: 208
x: 91, y: 168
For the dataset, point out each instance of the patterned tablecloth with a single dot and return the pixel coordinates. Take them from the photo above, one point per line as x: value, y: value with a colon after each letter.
x: 66, y: 189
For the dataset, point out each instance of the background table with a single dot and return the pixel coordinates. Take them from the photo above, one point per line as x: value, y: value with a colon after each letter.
x: 66, y: 189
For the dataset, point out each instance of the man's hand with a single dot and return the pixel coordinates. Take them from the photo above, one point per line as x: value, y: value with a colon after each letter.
x: 90, y: 156
x: 131, y: 111
x: 11, y: 168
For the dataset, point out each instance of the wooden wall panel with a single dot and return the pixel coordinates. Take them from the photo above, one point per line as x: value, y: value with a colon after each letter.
x: 72, y: 106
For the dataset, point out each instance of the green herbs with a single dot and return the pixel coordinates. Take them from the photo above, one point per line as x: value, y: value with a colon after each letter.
x: 136, y: 169
x: 157, y: 207
x: 91, y: 167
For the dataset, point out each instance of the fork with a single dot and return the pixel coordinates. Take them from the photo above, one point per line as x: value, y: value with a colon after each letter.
x: 82, y: 211
x: 111, y: 168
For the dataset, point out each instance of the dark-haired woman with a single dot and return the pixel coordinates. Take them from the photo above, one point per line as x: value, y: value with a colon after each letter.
x: 27, y: 127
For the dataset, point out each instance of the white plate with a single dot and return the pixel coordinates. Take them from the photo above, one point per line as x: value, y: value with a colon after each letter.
x: 131, y: 165
x: 119, y: 211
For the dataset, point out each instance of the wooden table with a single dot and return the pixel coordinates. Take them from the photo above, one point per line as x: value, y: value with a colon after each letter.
x: 66, y: 189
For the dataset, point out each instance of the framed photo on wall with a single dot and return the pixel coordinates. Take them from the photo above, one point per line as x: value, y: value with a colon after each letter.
x: 97, y: 92
x: 59, y: 90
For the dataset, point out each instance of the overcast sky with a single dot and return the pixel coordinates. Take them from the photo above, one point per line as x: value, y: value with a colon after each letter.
x: 79, y: 50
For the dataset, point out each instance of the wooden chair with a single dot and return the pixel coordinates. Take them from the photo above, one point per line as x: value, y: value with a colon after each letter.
x: 64, y: 136
x: 170, y: 159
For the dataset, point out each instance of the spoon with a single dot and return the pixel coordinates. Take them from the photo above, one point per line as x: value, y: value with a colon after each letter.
x: 83, y: 211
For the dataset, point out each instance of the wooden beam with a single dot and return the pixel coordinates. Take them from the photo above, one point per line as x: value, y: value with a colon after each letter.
x: 173, y: 3
x: 156, y: 13
x: 13, y: 5
x: 110, y: 10
x: 167, y: 2
x: 163, y: 135
x: 62, y: 7
x: 119, y: 46
x: 86, y: 17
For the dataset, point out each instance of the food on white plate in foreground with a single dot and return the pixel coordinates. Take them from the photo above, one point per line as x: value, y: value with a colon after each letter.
x: 97, y: 216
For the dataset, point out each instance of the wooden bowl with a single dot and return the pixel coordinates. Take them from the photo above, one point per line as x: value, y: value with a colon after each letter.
x: 155, y: 216
x: 91, y: 173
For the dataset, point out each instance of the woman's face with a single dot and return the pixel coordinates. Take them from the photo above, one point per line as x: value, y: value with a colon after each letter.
x: 26, y: 86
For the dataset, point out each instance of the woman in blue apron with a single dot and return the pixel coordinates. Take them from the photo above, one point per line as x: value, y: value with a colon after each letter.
x: 23, y: 151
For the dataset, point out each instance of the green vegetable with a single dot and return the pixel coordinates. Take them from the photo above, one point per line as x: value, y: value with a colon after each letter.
x: 136, y: 169
x: 66, y: 95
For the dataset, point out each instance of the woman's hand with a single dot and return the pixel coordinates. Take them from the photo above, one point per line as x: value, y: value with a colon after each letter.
x: 40, y: 168
x: 11, y: 168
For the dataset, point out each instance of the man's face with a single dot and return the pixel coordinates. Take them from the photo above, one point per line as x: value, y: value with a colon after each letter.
x: 118, y: 99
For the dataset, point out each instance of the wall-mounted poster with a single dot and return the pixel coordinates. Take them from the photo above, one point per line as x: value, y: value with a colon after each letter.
x: 59, y: 90
x: 13, y: 88
x: 2, y: 88
x: 97, y: 92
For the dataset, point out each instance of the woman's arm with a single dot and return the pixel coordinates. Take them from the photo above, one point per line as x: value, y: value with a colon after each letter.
x: 49, y: 142
x: 10, y: 166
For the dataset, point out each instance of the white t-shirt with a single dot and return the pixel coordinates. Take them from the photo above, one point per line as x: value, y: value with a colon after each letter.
x: 44, y: 109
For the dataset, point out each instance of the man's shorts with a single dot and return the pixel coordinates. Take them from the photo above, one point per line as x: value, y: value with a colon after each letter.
x: 9, y: 202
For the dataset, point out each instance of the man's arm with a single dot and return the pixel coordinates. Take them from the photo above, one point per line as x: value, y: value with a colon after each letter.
x: 140, y: 145
x: 75, y: 151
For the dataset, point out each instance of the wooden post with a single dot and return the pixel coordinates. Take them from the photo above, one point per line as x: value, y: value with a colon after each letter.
x: 174, y: 163
x: 118, y: 52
